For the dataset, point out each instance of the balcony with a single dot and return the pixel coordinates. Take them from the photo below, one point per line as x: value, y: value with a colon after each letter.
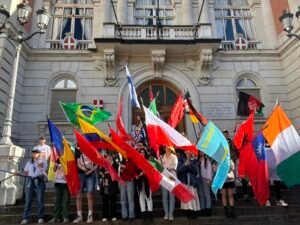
x: 229, y: 46
x: 137, y: 32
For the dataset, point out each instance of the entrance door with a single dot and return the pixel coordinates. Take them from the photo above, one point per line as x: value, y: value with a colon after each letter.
x: 166, y: 97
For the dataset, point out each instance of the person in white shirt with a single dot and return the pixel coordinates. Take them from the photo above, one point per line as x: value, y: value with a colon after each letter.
x: 170, y: 162
x: 62, y: 195
x: 35, y: 170
x: 43, y: 148
x: 205, y: 180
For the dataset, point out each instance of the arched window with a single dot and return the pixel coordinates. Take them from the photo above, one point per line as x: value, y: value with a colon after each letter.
x: 166, y: 96
x: 248, y: 86
x: 72, y: 16
x: 234, y: 19
x: 64, y: 90
x: 147, y: 12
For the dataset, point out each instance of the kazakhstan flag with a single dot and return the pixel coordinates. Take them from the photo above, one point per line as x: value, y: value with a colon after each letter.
x: 88, y: 113
x: 214, y: 144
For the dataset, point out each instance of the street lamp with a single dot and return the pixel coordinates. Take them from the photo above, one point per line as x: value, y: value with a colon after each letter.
x: 23, y: 12
x: 287, y: 22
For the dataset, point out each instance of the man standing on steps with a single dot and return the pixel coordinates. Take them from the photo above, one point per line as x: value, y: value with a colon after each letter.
x: 43, y: 148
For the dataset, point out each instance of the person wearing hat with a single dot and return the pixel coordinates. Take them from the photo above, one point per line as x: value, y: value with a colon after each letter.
x: 43, y: 148
x: 35, y: 170
x: 170, y: 162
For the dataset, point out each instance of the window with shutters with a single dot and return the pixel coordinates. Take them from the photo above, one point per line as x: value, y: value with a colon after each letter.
x: 154, y: 12
x: 234, y: 19
x: 64, y: 90
x: 72, y: 16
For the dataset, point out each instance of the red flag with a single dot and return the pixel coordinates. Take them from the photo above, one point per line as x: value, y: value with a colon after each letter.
x: 152, y: 174
x: 92, y: 153
x: 253, y: 165
x: 120, y: 126
x: 245, y: 131
x: 151, y: 97
x: 177, y: 112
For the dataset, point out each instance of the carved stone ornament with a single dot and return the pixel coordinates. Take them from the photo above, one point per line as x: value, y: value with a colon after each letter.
x: 109, y: 65
x: 205, y: 67
x: 158, y: 60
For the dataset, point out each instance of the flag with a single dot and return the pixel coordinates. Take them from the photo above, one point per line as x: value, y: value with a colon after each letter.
x: 140, y: 161
x: 90, y: 114
x: 253, y: 164
x: 214, y: 144
x: 285, y: 143
x: 195, y: 116
x: 53, y: 159
x: 120, y: 126
x: 153, y: 108
x: 164, y: 134
x: 176, y: 112
x: 88, y: 128
x: 248, y: 103
x: 66, y: 158
x: 97, y: 141
x: 151, y: 96
x: 245, y: 131
x: 95, y: 156
x: 171, y: 183
x: 133, y: 96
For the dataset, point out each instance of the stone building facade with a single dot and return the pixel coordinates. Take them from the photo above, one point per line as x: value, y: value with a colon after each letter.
x: 168, y: 45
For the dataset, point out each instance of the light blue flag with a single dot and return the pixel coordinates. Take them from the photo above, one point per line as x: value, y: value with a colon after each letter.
x: 214, y: 144
x: 133, y: 96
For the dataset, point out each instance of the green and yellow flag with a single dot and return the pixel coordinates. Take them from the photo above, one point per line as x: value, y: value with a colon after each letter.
x: 90, y: 114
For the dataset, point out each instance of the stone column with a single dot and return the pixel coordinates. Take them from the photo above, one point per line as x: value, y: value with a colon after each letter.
x: 270, y: 40
x: 10, y: 189
x: 122, y: 11
x: 187, y: 12
x: 100, y: 18
x: 204, y: 15
x: 130, y: 12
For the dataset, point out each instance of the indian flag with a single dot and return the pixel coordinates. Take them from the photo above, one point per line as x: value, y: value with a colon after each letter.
x: 170, y: 182
x: 285, y: 143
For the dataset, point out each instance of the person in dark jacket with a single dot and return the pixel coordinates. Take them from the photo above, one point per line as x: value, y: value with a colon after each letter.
x: 143, y: 190
x: 109, y: 189
x: 187, y: 172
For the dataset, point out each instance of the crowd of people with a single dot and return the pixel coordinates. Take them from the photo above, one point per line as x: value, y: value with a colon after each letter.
x: 196, y: 172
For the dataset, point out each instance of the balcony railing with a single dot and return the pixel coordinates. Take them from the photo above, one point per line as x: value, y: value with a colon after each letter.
x: 229, y: 45
x: 112, y: 30
x: 57, y: 44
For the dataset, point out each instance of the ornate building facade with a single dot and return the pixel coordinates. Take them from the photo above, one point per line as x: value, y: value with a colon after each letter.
x: 211, y: 48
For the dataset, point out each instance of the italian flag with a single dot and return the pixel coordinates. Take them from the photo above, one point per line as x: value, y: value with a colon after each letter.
x: 285, y: 143
x: 170, y: 182
x: 163, y: 134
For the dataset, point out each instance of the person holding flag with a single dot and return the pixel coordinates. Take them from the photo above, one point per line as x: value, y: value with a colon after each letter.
x: 35, y: 169
x: 87, y: 175
x: 62, y: 195
x: 169, y: 161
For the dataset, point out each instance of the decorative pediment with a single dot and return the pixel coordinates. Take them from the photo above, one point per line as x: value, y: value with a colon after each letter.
x: 158, y: 60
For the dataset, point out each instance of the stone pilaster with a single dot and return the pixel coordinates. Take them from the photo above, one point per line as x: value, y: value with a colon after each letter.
x: 122, y: 11
x: 10, y: 189
x: 187, y: 12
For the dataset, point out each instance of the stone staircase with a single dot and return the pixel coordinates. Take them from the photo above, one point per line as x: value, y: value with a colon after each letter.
x: 249, y: 212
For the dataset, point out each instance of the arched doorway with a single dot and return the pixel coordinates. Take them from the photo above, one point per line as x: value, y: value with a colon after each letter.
x: 167, y: 95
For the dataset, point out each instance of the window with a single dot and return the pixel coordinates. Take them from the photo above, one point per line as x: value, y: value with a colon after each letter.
x: 64, y: 90
x: 248, y: 86
x: 153, y: 12
x: 72, y: 16
x: 233, y: 20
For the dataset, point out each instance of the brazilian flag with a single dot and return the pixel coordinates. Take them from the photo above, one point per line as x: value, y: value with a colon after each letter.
x: 90, y: 114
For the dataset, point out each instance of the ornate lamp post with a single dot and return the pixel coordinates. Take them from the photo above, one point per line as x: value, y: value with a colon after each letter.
x: 23, y: 10
x: 287, y: 22
x: 10, y: 154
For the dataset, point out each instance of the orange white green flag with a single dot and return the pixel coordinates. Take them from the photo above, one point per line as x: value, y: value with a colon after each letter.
x: 285, y: 143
